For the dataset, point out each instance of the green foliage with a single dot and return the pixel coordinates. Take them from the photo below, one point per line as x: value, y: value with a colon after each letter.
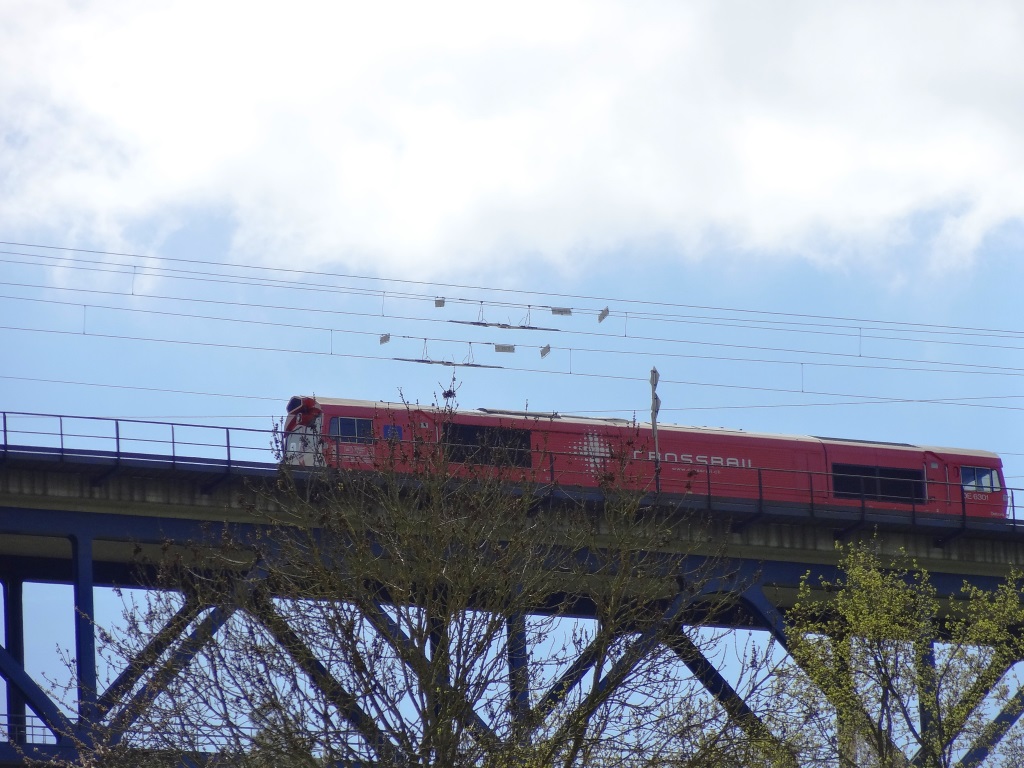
x: 902, y: 668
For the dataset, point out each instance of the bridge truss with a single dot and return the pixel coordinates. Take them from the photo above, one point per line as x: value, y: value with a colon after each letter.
x: 81, y: 516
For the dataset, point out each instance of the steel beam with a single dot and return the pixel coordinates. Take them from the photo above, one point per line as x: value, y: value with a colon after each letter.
x: 994, y: 733
x: 85, y: 630
x: 14, y: 639
x: 770, y: 617
x: 346, y: 702
x: 143, y: 661
x: 518, y: 668
x: 726, y: 695
x: 388, y: 628
x: 927, y: 703
x: 14, y: 673
x: 133, y: 709
x: 971, y: 700
x: 588, y: 657
x: 773, y: 621
x: 559, y: 689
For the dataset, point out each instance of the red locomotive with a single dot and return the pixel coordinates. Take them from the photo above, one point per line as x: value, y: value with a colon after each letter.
x: 737, y: 470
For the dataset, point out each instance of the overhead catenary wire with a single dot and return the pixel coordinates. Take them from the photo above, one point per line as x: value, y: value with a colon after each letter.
x: 860, y: 335
x: 572, y: 331
x: 843, y: 321
x: 402, y: 295
x: 566, y: 410
x: 919, y: 365
x: 457, y: 364
x: 139, y: 388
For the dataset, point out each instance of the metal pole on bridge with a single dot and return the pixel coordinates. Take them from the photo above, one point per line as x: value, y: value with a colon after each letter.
x: 655, y: 407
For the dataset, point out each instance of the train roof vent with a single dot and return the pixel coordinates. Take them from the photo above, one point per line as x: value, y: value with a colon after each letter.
x: 868, y: 442
x: 710, y: 429
x: 552, y: 415
x: 527, y: 414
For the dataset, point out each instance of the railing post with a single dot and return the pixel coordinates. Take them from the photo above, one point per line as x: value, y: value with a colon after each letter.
x: 174, y: 450
x: 708, y: 471
x: 5, y: 434
x: 760, y: 493
x: 117, y: 438
x: 810, y: 489
x: 227, y: 441
x: 60, y: 428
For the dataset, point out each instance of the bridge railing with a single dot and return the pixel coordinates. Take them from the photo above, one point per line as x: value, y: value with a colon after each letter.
x: 225, y: 447
x: 27, y: 729
x: 101, y: 437
x: 765, y: 488
x: 31, y: 731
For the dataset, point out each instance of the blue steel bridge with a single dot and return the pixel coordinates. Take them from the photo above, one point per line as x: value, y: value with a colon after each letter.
x: 79, y: 496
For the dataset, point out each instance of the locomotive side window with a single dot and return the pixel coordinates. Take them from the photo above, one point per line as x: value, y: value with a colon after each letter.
x: 348, y: 430
x: 498, y: 446
x: 856, y: 481
x: 979, y: 479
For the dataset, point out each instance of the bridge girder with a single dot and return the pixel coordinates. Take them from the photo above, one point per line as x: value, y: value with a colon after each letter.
x: 99, y: 548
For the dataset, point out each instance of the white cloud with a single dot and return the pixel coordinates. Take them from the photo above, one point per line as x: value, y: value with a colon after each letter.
x: 430, y: 137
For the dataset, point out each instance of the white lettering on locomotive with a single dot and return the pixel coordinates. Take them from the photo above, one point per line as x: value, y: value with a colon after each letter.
x: 702, y: 458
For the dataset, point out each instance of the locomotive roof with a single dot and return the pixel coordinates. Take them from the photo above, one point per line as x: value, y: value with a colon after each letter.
x: 573, y: 419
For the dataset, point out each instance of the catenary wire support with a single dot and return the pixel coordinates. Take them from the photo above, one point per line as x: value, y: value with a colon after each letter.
x: 655, y: 407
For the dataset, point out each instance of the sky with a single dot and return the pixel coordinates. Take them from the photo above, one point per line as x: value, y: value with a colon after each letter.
x: 807, y: 216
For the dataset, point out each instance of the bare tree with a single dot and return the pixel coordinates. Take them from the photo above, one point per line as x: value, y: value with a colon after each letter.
x: 434, y: 612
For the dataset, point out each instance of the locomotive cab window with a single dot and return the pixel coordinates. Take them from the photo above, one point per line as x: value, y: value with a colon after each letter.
x: 349, y: 430
x: 497, y: 446
x: 979, y: 479
x: 856, y: 481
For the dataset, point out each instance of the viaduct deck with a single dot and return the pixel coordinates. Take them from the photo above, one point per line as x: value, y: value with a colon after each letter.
x: 84, y: 518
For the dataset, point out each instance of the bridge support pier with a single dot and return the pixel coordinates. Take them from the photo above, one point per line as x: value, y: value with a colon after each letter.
x: 85, y: 632
x: 14, y: 640
x: 518, y: 670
